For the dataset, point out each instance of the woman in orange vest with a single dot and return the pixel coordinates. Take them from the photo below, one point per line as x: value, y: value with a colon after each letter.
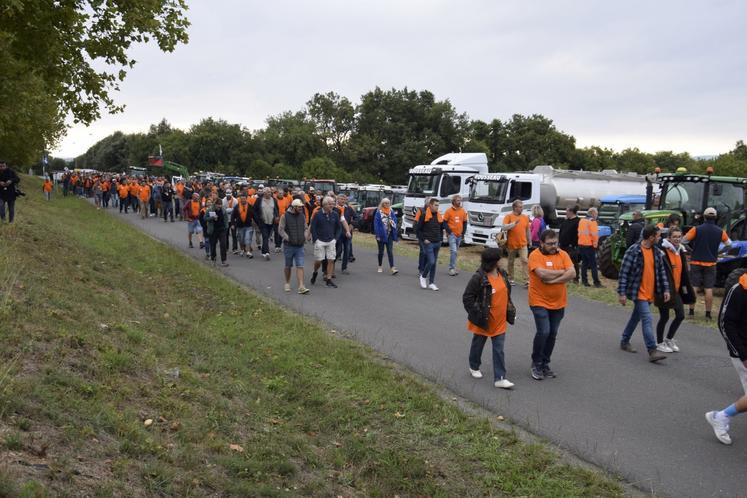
x: 486, y: 300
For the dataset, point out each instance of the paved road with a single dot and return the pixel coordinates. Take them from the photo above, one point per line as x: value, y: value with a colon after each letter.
x: 641, y: 421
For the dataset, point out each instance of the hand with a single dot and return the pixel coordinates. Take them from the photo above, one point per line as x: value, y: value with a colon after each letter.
x: 349, y: 235
x: 426, y: 242
x: 378, y: 239
x: 622, y: 299
x: 667, y: 297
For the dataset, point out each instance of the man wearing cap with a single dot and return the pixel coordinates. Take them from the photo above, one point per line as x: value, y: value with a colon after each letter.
x: 295, y: 232
x: 704, y: 241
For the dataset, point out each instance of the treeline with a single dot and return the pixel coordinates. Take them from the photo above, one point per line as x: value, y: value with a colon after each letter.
x: 377, y: 140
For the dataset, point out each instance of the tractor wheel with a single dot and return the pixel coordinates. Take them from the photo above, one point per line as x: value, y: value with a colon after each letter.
x: 733, y: 278
x: 606, y: 262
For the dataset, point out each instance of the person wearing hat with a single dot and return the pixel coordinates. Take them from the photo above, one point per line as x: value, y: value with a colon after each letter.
x: 294, y: 231
x: 704, y: 241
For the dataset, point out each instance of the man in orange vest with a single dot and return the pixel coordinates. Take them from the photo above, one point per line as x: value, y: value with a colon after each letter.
x: 516, y: 224
x: 47, y: 188
x: 144, y: 195
x: 456, y: 223
x: 588, y: 240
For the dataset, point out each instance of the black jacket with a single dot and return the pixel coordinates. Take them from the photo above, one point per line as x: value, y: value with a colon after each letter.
x: 732, y: 321
x: 686, y: 293
x: 568, y: 233
x: 432, y: 231
x: 633, y: 234
x: 478, y: 295
x: 167, y: 194
x: 236, y: 216
x: 8, y: 192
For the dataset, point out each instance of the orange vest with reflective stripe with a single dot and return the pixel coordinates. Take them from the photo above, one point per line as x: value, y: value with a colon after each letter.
x: 588, y: 232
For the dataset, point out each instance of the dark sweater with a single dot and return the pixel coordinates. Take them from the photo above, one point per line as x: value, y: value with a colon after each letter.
x: 732, y: 321
x: 430, y: 230
x: 326, y: 226
x: 569, y: 232
x: 293, y: 226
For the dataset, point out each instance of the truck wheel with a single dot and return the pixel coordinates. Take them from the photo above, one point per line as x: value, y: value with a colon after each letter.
x: 606, y: 262
x: 733, y: 278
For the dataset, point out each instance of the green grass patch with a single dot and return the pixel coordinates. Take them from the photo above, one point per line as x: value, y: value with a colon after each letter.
x: 126, y: 369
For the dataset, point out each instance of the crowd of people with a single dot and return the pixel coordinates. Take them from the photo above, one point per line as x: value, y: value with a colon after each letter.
x: 655, y: 272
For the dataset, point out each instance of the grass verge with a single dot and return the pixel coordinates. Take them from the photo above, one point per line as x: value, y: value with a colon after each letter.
x: 127, y: 369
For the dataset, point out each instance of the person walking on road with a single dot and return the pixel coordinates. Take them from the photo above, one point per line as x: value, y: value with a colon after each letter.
x: 385, y: 230
x: 8, y: 191
x: 192, y: 215
x: 144, y: 196
x: 217, y: 228
x: 123, y: 192
x: 568, y: 237
x: 486, y: 300
x: 456, y: 224
x: 588, y: 240
x: 516, y: 224
x: 642, y: 276
x: 704, y: 240
x: 326, y: 228
x: 294, y: 232
x: 430, y: 233
x: 538, y: 225
x: 242, y: 218
x: 167, y: 202
x: 732, y: 323
x: 266, y: 214
x: 550, y: 268
x: 682, y: 292
x: 344, y: 246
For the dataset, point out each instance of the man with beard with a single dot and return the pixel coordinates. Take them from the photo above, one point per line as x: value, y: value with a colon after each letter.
x: 550, y: 268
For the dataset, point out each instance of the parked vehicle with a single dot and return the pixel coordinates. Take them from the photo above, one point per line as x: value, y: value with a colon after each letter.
x: 687, y: 195
x: 319, y: 185
x: 445, y: 177
x: 491, y: 195
x: 369, y: 197
x: 614, y: 206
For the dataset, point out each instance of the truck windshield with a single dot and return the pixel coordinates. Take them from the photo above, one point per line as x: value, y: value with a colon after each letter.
x: 489, y: 191
x: 684, y: 196
x: 423, y: 185
x: 371, y: 198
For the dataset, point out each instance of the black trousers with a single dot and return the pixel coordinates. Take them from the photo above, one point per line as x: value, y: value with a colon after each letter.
x: 11, y: 203
x: 679, y: 317
x: 168, y: 209
x: 218, y: 239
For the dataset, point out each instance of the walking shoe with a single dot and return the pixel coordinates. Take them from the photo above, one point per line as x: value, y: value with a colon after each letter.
x: 537, y: 373
x: 654, y: 356
x: 691, y: 312
x: 720, y: 426
x: 452, y: 272
x: 503, y: 384
x: 380, y: 270
x: 598, y: 285
x: 433, y: 287
x: 287, y: 287
x: 394, y: 270
x: 663, y: 347
x: 585, y: 284
x: 191, y: 246
x: 266, y: 256
x: 476, y: 374
x: 627, y: 347
x: 345, y: 272
x: 330, y: 283
x: 672, y: 345
x: 202, y: 245
x: 207, y: 256
x: 547, y: 372
x: 351, y: 259
x: 423, y: 282
x: 236, y: 251
x: 303, y: 290
x: 223, y: 264
x: 250, y: 255
x: 313, y: 278
x: 277, y: 249
x: 708, y: 316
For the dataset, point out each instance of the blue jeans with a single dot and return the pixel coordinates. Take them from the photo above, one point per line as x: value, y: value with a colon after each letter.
x: 454, y: 242
x: 475, y: 354
x: 344, y: 248
x: 389, y: 245
x: 547, y: 323
x: 245, y: 236
x: 293, y: 254
x: 431, y: 260
x: 641, y: 313
x: 421, y: 257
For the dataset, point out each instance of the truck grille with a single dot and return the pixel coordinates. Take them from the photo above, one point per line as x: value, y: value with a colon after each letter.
x: 480, y: 219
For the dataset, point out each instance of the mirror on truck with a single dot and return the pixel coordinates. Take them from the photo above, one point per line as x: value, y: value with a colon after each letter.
x: 450, y: 185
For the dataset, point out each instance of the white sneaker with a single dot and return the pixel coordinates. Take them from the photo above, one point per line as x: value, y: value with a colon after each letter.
x: 476, y: 374
x: 720, y: 426
x: 394, y: 270
x: 452, y: 272
x: 504, y: 384
x: 663, y: 348
x: 423, y: 282
x: 287, y: 287
x: 380, y: 270
x: 672, y: 345
x: 433, y: 287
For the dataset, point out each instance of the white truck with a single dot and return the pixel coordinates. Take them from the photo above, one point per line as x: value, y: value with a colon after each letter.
x: 491, y: 196
x: 444, y: 178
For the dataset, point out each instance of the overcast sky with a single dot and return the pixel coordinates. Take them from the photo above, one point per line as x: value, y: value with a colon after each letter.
x: 658, y: 75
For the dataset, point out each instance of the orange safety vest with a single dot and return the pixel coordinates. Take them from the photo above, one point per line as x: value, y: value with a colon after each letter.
x: 588, y: 232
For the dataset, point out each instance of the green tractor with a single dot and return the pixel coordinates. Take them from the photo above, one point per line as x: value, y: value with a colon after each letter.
x: 687, y: 195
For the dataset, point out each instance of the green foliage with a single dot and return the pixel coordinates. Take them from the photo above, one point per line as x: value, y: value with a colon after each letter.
x: 63, y: 59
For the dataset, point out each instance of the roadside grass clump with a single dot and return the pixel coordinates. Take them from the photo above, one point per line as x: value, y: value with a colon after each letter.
x: 126, y: 369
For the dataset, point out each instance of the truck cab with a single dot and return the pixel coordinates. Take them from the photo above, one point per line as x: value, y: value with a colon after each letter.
x: 490, y: 198
x: 611, y: 207
x: 444, y: 178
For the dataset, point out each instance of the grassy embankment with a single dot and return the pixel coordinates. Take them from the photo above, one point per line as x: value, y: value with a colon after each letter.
x: 469, y: 260
x: 126, y: 369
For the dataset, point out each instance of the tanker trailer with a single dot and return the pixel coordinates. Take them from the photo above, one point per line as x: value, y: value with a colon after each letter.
x: 491, y: 196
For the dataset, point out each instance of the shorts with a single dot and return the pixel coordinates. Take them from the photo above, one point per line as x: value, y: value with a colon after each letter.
x: 245, y: 235
x: 194, y: 226
x: 741, y: 371
x: 293, y: 254
x: 324, y: 250
x: 703, y: 276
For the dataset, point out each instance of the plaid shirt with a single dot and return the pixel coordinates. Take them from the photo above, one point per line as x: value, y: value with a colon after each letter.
x: 631, y: 271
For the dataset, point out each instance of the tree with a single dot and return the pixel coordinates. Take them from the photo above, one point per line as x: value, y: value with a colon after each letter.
x: 290, y: 138
x: 740, y: 151
x: 634, y: 160
x: 527, y: 141
x: 66, y: 58
x: 334, y: 119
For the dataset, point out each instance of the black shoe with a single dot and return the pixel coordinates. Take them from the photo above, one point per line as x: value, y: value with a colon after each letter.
x: 313, y: 278
x: 191, y: 246
x: 351, y: 259
x: 708, y: 315
x: 537, y: 373
x: 330, y: 283
x: 202, y: 245
x: 598, y: 285
x: 547, y: 372
x: 692, y: 312
x: 586, y: 284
